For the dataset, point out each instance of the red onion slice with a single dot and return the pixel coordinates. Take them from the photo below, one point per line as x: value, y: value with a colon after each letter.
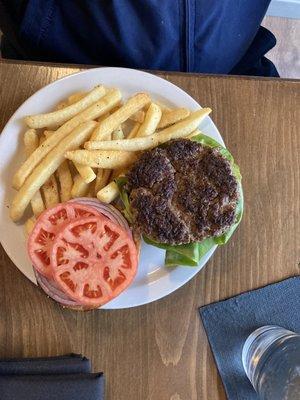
x: 106, y: 209
x: 48, y: 285
x: 53, y: 291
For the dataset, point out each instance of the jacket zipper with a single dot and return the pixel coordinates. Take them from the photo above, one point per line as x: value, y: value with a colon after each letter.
x: 187, y: 35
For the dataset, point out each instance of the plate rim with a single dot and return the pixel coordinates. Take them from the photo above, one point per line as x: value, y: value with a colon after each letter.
x: 115, y: 69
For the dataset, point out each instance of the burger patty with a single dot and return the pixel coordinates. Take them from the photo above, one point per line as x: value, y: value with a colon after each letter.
x: 183, y: 192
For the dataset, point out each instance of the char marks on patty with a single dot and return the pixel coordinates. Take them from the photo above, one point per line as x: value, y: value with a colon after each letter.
x: 182, y: 192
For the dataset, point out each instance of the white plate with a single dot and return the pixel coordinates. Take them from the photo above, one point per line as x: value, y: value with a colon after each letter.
x: 153, y: 279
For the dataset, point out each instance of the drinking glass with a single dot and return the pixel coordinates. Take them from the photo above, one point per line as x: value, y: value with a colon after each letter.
x: 271, y: 359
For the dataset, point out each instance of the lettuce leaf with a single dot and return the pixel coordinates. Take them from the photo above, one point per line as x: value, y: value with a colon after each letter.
x: 121, y: 182
x: 191, y: 253
x: 184, y: 254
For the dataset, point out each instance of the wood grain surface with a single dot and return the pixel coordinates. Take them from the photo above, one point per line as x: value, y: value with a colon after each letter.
x: 160, y: 351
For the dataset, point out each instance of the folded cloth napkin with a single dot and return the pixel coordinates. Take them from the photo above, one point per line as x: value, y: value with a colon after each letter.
x: 68, y: 364
x: 52, y: 387
x: 228, y: 324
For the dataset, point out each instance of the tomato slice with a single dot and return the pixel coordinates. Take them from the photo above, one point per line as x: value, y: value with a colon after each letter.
x: 93, y: 260
x: 48, y: 224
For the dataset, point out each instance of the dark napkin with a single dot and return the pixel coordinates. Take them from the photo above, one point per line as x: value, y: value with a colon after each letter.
x: 68, y: 364
x: 52, y: 387
x: 228, y: 324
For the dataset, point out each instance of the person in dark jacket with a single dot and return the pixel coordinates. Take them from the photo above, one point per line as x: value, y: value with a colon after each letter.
x: 215, y: 36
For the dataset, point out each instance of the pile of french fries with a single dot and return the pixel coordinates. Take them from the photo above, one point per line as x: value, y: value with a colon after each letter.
x: 89, y: 140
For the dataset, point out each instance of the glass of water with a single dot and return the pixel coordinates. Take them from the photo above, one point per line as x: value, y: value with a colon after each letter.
x: 271, y: 359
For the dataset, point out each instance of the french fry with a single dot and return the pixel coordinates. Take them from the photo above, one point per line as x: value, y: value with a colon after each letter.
x: 103, y: 117
x: 124, y: 145
x: 86, y: 173
x: 152, y: 118
x: 31, y: 141
x: 57, y: 118
x: 42, y: 140
x: 102, y: 179
x: 91, y: 192
x: 50, y: 192
x: 100, y: 107
x: 61, y: 105
x: 37, y: 204
x: 118, y: 133
x: 116, y: 108
x: 138, y: 116
x: 80, y: 187
x: 133, y: 131
x: 49, y: 189
x: 109, y: 193
x: 181, y: 129
x: 47, y: 167
x: 171, y: 117
x: 48, y: 133
x: 65, y: 181
x: 112, y: 122
x: 76, y: 97
x: 162, y: 106
x: 29, y: 225
x: 102, y: 159
x: 104, y: 174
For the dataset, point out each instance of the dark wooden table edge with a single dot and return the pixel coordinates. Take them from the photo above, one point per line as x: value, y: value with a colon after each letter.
x: 158, y: 72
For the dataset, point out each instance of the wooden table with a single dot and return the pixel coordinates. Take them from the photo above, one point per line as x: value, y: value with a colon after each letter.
x: 160, y: 351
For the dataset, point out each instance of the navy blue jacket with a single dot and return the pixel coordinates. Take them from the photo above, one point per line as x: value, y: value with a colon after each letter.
x: 213, y: 36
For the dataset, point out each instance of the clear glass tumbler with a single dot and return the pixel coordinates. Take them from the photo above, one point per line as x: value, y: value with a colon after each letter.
x: 271, y: 359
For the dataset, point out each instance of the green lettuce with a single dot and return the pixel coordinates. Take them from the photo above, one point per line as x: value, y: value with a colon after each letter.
x: 191, y: 253
x: 184, y: 254
x: 121, y: 182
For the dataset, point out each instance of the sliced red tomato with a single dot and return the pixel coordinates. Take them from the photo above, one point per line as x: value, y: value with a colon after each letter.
x: 93, y: 260
x: 48, y: 224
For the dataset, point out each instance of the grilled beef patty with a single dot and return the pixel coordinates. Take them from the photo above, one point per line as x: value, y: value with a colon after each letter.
x: 183, y: 192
